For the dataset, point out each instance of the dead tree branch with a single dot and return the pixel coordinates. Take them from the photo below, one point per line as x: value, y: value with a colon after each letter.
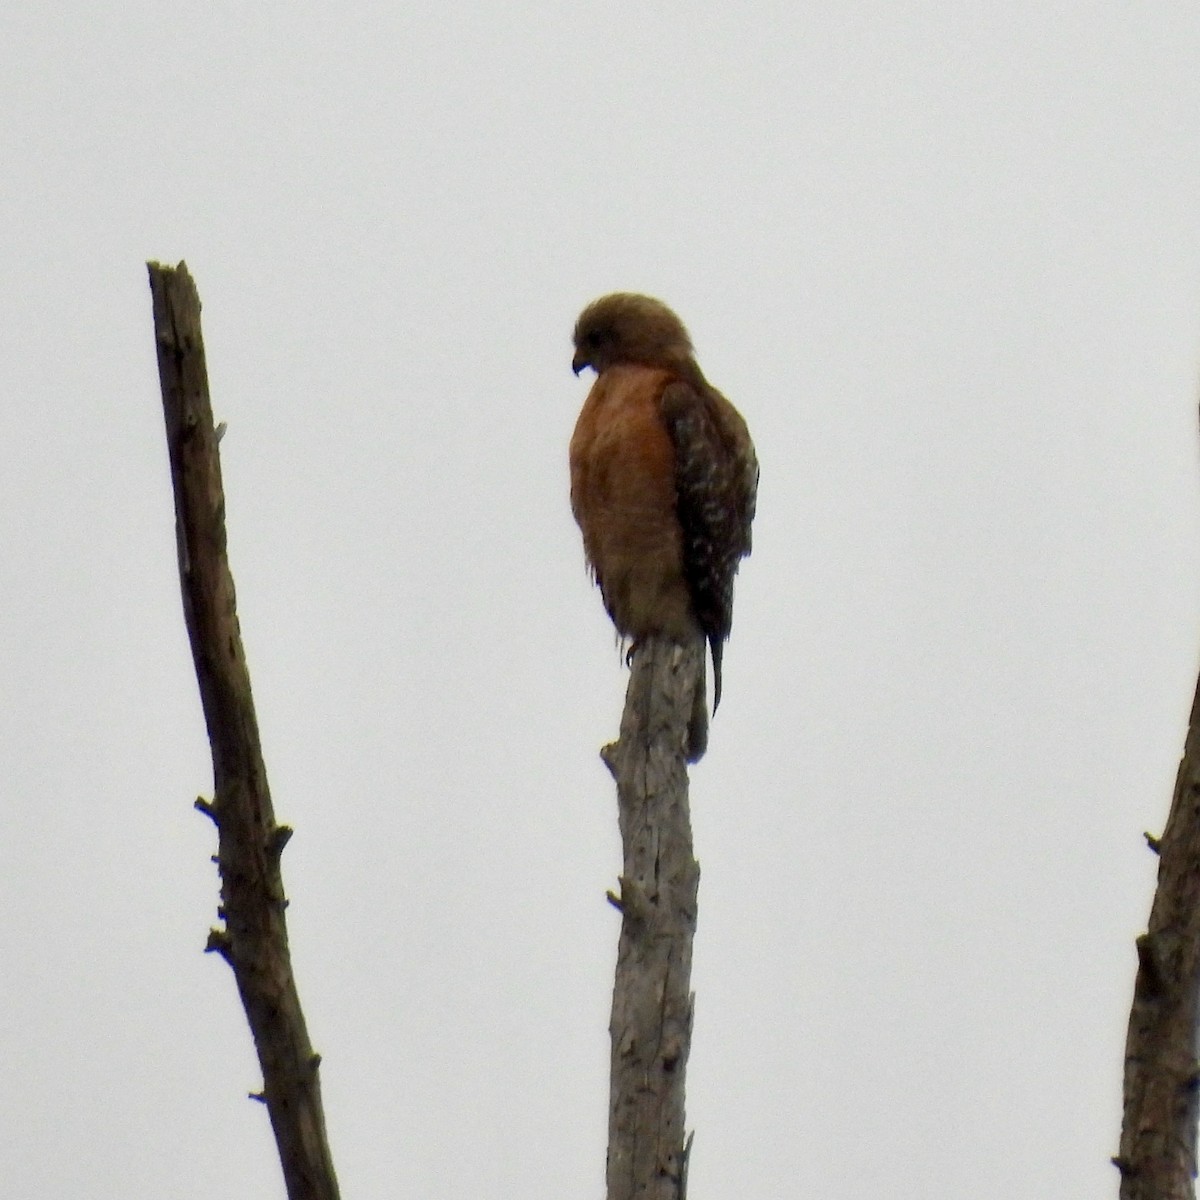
x: 254, y: 937
x: 1157, y: 1160
x: 651, y: 1023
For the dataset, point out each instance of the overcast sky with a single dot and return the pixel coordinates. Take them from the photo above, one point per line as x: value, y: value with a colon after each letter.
x: 945, y: 258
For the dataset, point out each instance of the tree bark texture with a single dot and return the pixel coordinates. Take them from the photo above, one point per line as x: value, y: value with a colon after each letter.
x: 1157, y: 1159
x: 651, y: 1023
x: 254, y: 937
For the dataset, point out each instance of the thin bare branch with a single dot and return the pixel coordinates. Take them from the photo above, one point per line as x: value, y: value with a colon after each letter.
x: 254, y: 937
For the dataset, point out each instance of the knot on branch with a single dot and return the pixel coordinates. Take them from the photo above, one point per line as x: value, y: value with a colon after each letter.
x: 608, y: 756
x: 208, y: 808
x: 671, y: 1053
x: 219, y: 943
x: 1151, y: 975
x: 632, y: 901
x: 280, y: 836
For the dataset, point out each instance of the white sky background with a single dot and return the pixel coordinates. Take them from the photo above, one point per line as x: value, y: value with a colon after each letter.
x: 945, y: 258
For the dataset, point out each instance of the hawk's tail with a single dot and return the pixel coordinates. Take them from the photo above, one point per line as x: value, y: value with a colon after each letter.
x: 718, y: 649
x: 697, y: 736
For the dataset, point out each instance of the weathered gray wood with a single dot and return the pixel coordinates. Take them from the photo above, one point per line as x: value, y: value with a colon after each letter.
x: 254, y: 937
x: 1157, y: 1159
x: 651, y: 1023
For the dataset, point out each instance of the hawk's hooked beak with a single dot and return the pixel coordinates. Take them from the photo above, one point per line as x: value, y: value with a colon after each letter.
x: 579, y: 362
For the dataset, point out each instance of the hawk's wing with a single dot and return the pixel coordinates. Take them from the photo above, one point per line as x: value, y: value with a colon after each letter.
x: 716, y: 481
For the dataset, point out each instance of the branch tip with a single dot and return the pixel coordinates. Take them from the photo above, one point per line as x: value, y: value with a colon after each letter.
x: 208, y: 808
x: 1152, y: 842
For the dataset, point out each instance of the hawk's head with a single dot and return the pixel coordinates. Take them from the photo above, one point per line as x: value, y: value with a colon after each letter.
x: 628, y: 328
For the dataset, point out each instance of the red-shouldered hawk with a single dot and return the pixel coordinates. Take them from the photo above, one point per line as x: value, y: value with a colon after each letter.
x: 663, y: 482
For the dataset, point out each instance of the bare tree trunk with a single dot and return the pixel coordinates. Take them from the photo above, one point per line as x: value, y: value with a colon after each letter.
x: 254, y: 937
x: 652, y: 1003
x: 1158, y: 1135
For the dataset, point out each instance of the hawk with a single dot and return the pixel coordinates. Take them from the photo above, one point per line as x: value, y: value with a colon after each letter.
x: 663, y: 482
